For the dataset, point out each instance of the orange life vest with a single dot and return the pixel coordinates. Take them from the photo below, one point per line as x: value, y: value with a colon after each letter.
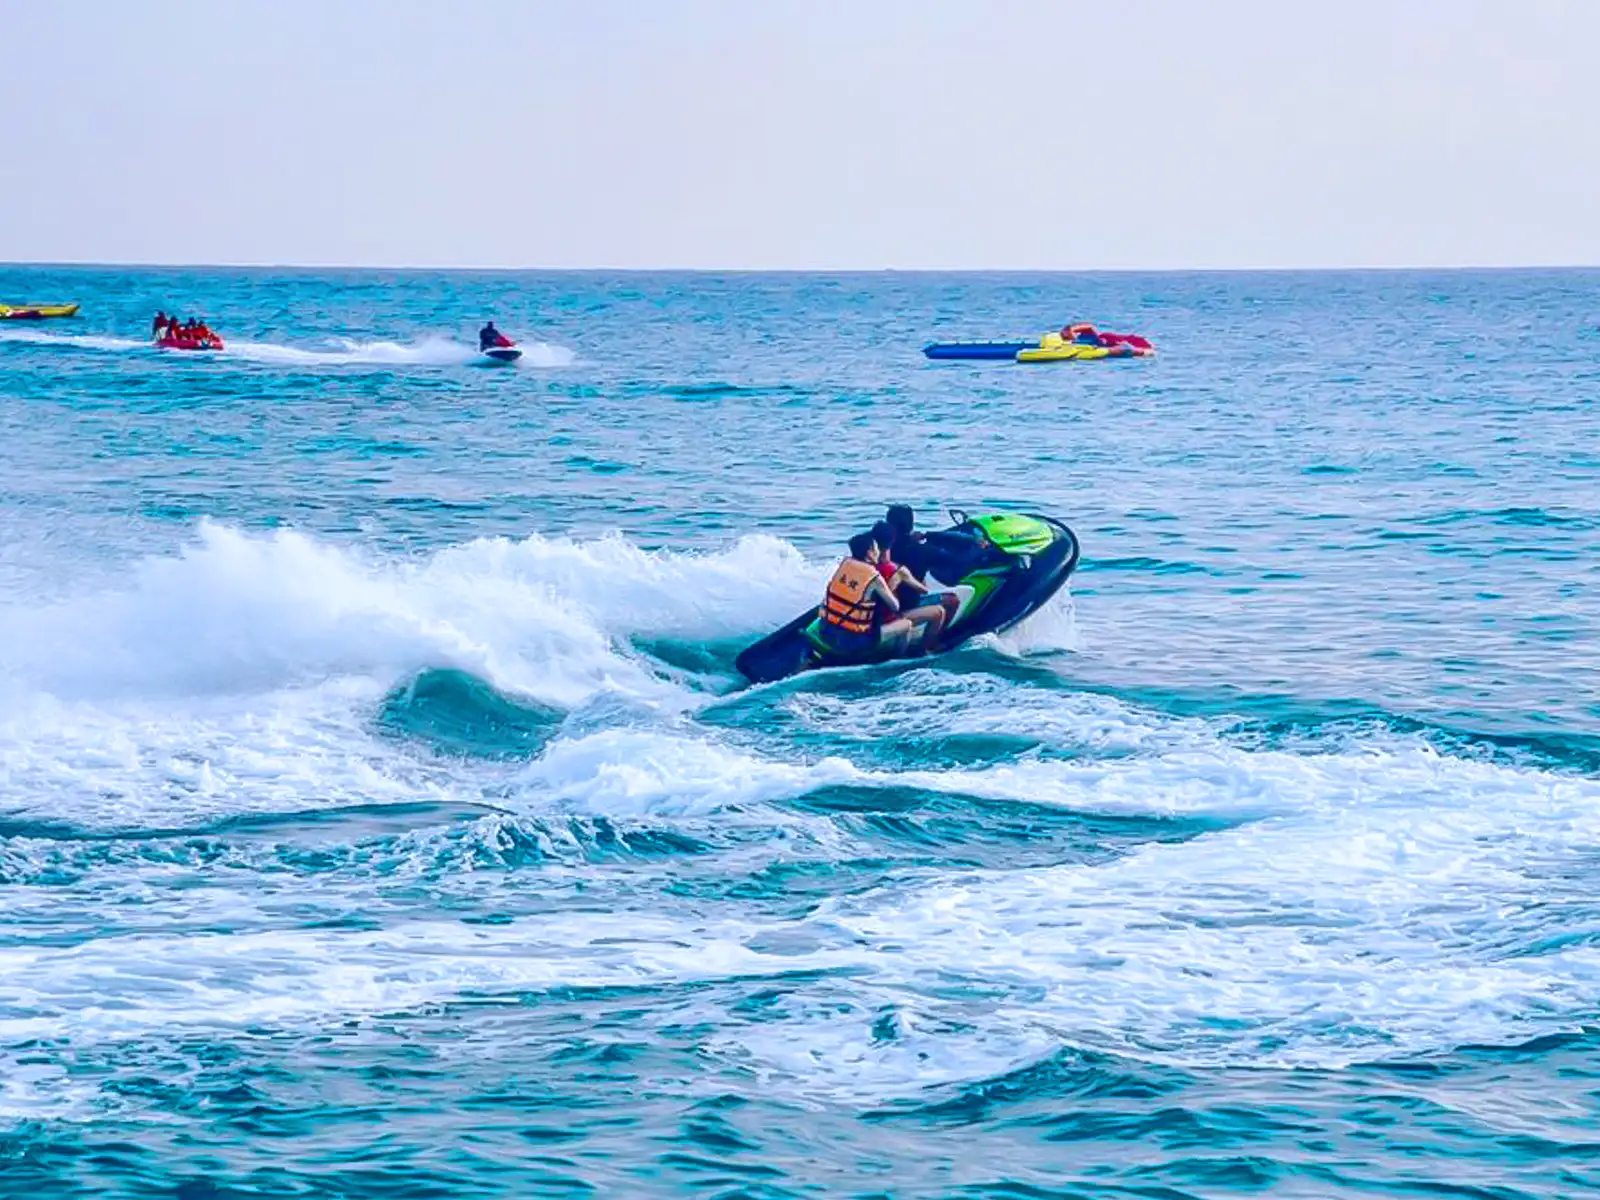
x: 847, y: 605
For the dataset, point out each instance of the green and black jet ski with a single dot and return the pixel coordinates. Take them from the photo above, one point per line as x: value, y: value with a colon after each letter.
x: 1001, y: 567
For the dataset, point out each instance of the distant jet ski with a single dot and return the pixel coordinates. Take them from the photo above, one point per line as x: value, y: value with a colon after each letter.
x: 1001, y: 568
x: 496, y: 346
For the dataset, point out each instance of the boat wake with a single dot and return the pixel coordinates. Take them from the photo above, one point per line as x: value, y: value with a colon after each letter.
x: 335, y: 352
x: 235, y: 612
x: 81, y: 341
x: 1004, y: 863
x: 431, y: 352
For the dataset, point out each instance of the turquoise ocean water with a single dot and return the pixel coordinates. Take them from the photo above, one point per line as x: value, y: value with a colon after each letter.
x: 381, y: 815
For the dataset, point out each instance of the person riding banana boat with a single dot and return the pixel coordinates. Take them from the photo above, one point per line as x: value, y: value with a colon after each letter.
x: 171, y: 334
x: 1081, y: 333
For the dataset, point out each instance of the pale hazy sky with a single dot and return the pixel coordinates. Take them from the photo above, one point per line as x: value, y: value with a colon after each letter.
x: 810, y: 134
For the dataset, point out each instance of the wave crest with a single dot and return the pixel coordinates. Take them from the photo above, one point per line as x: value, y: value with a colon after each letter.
x: 549, y: 617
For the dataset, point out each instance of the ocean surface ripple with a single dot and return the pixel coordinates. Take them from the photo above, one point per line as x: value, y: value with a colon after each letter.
x: 381, y: 813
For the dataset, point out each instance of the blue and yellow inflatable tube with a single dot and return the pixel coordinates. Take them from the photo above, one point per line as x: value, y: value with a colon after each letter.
x: 978, y: 350
x: 1075, y: 343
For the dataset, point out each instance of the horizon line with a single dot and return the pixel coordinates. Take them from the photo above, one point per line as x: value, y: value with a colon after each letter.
x: 746, y: 270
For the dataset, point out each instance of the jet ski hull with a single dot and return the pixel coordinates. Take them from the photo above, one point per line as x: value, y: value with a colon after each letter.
x: 997, y: 594
x: 503, y: 354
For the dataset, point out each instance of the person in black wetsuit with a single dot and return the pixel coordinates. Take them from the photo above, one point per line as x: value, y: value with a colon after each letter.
x: 908, y: 548
x: 916, y: 604
x: 489, y: 338
x: 911, y: 551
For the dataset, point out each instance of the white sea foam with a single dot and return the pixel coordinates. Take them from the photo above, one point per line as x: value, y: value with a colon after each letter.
x: 1366, y: 903
x: 1392, y: 905
x: 1363, y: 920
x: 1351, y: 903
x: 637, y: 772
x: 1053, y: 626
x: 931, y: 703
x: 242, y: 670
x: 119, y: 985
x: 31, y: 1090
x: 427, y: 352
x: 239, y: 613
x: 82, y: 341
x: 145, y: 762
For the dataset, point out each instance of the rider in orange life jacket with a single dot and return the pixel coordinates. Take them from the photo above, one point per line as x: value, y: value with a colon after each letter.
x: 857, y: 598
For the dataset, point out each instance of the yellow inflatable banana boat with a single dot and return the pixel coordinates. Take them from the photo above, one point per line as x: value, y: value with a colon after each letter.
x: 35, y: 312
x: 1061, y: 351
x: 1053, y: 347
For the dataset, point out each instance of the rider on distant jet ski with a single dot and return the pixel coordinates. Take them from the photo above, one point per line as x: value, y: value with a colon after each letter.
x: 490, y: 338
